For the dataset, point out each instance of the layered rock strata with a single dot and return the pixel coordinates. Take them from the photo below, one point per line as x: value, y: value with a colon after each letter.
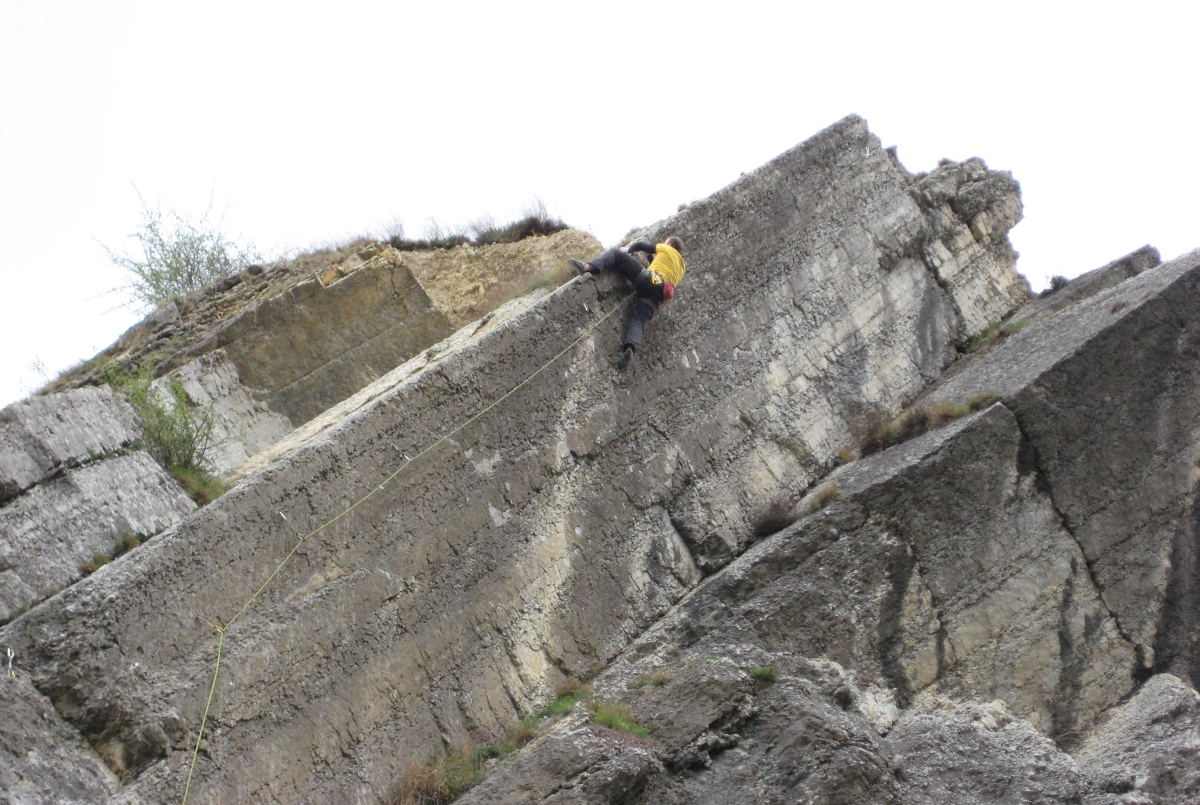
x: 996, y: 611
x: 269, y: 349
x: 76, y: 483
x: 547, y: 535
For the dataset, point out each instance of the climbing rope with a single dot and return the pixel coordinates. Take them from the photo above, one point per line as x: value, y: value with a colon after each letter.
x: 221, y: 630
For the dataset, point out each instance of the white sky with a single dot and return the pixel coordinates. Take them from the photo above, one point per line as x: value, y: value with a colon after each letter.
x: 309, y: 122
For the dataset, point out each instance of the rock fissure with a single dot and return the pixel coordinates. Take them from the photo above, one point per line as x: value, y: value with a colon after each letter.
x: 1043, y: 481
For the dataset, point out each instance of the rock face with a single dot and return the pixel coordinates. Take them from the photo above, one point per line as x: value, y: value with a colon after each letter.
x: 1106, y: 393
x: 74, y: 485
x: 940, y: 619
x: 466, y: 587
x: 270, y: 349
x: 43, y: 435
x: 983, y: 614
x: 43, y: 760
x: 47, y: 533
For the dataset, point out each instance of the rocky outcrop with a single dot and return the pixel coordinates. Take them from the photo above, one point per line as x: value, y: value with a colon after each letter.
x: 41, y: 436
x: 74, y: 484
x: 42, y: 759
x: 275, y: 361
x: 47, y: 533
x: 1087, y: 285
x: 546, y: 536
x: 1146, y: 749
x: 1105, y: 392
x: 940, y: 625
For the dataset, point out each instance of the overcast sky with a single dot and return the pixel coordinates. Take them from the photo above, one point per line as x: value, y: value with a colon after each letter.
x: 309, y: 123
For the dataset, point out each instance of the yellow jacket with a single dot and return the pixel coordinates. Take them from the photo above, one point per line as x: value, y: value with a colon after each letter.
x: 667, y: 263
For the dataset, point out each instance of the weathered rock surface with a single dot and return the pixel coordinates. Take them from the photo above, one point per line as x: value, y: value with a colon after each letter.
x: 49, y: 531
x: 278, y: 361
x: 42, y: 759
x: 944, y: 600
x: 546, y: 536
x: 43, y: 435
x: 1148, y: 749
x: 1087, y: 285
x: 1106, y: 392
x: 577, y: 764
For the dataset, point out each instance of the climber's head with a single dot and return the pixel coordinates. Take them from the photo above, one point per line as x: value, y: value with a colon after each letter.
x: 675, y: 243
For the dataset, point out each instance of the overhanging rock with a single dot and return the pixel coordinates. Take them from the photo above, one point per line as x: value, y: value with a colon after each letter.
x: 547, y: 535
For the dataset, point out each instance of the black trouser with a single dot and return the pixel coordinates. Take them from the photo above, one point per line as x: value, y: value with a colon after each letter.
x: 650, y: 294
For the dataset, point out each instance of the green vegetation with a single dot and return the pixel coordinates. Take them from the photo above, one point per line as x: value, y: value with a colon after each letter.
x: 127, y: 542
x: 566, y: 701
x: 534, y: 221
x: 616, y: 716
x: 765, y: 673
x: 1057, y: 283
x: 178, y: 256
x: 440, y: 780
x: 996, y: 332
x: 823, y: 498
x: 200, y: 486
x: 882, y: 435
x: 179, y: 434
x: 657, y: 680
x: 437, y: 781
x: 95, y: 563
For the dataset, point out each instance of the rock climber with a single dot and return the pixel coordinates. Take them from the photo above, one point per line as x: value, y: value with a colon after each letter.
x: 654, y: 285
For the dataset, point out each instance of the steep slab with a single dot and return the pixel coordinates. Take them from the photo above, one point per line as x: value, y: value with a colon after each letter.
x: 43, y: 760
x: 1106, y: 392
x: 47, y: 533
x: 543, y: 537
x: 43, y: 435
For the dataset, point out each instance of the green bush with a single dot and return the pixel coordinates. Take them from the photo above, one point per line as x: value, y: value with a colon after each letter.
x: 535, y: 220
x: 92, y: 565
x: 764, y: 673
x: 178, y: 434
x: 178, y: 256
x: 995, y: 333
x: 439, y: 781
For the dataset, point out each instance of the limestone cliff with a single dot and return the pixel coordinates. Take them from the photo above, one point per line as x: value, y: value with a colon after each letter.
x: 986, y: 613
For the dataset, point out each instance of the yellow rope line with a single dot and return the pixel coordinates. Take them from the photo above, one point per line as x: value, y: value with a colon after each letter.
x: 222, y: 629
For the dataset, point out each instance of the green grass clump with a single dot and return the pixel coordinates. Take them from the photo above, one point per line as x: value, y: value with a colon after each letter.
x: 439, y: 781
x: 570, y: 693
x: 179, y: 434
x: 616, y: 716
x: 126, y: 543
x: 95, y: 563
x: 200, y: 486
x: 823, y: 498
x: 998, y: 331
x: 765, y: 673
x: 882, y: 435
x: 656, y: 680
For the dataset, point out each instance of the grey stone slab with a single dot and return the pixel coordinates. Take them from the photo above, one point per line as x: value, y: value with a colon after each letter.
x: 541, y: 539
x: 43, y: 760
x: 1106, y: 393
x: 41, y: 435
x: 47, y: 533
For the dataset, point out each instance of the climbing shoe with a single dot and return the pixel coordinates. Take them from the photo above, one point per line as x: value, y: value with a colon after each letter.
x: 579, y: 266
x: 626, y: 357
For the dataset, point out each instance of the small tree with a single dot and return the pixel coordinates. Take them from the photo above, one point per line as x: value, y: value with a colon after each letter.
x: 178, y: 256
